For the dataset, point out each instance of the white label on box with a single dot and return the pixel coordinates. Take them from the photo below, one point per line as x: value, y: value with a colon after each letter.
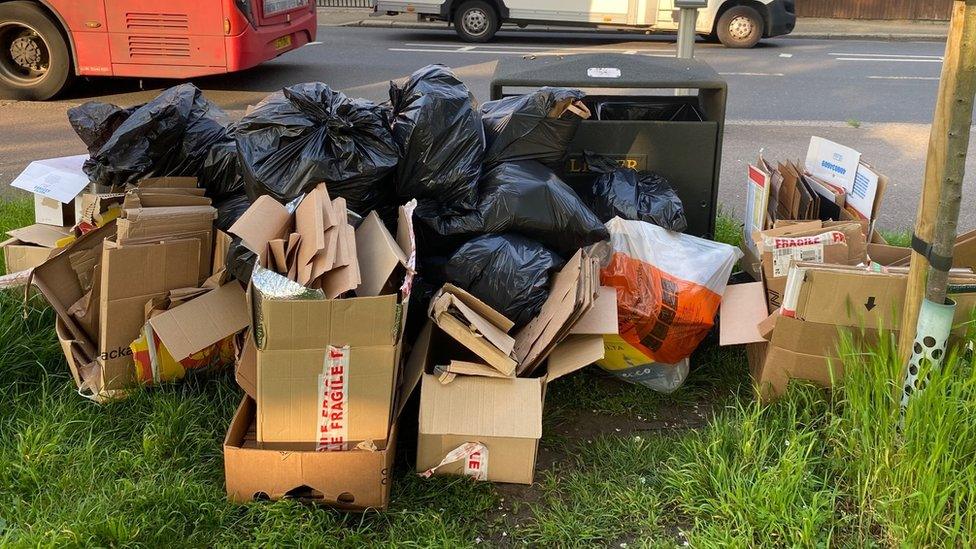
x: 58, y: 178
x: 808, y: 249
x: 475, y: 460
x: 333, y: 420
x: 603, y: 72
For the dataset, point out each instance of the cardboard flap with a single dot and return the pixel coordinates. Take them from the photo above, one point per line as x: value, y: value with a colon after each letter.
x: 495, y: 335
x: 379, y: 256
x: 743, y: 308
x: 482, y: 407
x: 601, y: 319
x: 413, y: 369
x: 203, y: 321
x: 265, y: 220
x: 41, y: 235
x: 574, y: 353
x: 463, y: 368
x: 480, y: 307
x: 168, y: 183
x: 310, y: 224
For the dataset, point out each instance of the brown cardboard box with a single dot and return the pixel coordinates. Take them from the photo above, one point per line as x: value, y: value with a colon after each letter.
x: 202, y: 321
x: 20, y: 256
x: 357, y: 479
x: 852, y: 250
x: 246, y: 366
x: 141, y: 224
x: 504, y: 414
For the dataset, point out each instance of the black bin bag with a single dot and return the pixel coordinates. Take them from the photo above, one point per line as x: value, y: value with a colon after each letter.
x: 634, y: 195
x: 95, y: 122
x: 168, y: 136
x: 438, y: 131
x: 509, y: 272
x: 230, y: 209
x: 307, y: 134
x: 220, y: 175
x: 520, y: 127
x: 527, y: 198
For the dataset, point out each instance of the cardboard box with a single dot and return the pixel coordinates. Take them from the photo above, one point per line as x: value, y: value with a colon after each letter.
x: 56, y: 184
x: 357, y: 479
x: 840, y: 243
x: 30, y: 246
x: 500, y: 415
x: 246, y: 365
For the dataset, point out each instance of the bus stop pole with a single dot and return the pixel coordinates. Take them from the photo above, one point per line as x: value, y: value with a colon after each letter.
x: 686, y: 32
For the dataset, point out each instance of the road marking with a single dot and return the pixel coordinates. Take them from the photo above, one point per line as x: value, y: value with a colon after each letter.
x: 314, y: 44
x: 904, y: 77
x: 786, y: 55
x: 882, y: 60
x: 467, y: 48
x: 751, y: 74
x: 790, y: 123
x: 939, y: 57
x: 523, y: 52
x: 528, y: 46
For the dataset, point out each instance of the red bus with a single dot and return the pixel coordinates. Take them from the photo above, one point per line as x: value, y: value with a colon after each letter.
x: 44, y: 44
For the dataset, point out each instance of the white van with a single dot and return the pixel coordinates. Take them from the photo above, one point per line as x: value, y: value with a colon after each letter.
x: 736, y: 23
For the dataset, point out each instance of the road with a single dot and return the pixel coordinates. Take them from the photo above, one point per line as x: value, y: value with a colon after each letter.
x: 877, y: 97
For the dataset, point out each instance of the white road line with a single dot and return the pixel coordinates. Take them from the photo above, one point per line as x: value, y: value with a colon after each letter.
x: 790, y: 123
x: 314, y: 44
x: 490, y: 52
x: 596, y: 49
x: 939, y: 57
x: 751, y: 74
x: 467, y: 48
x: 881, y: 60
x: 786, y: 55
x: 904, y: 78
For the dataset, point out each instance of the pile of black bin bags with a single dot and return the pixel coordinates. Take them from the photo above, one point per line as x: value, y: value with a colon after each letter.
x: 493, y: 216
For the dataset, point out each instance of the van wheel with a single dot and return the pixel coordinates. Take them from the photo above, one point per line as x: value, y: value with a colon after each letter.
x: 740, y: 27
x: 476, y: 21
x: 35, y: 63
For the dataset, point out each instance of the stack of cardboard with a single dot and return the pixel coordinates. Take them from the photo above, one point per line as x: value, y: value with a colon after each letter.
x: 104, y: 282
x: 322, y: 363
x: 482, y: 396
x: 810, y: 243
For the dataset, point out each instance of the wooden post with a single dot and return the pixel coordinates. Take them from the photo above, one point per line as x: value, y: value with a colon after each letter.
x: 945, y: 165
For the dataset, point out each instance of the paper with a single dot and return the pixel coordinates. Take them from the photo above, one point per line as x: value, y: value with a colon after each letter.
x: 757, y: 195
x: 861, y: 195
x: 58, y: 178
x: 832, y: 162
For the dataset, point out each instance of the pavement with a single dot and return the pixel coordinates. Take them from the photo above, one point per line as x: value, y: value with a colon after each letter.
x: 875, y: 96
x: 805, y: 27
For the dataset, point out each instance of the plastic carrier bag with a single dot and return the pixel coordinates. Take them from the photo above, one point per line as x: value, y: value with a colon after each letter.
x: 669, y: 287
x: 634, y: 195
x: 306, y: 134
x: 535, y: 126
x: 437, y: 128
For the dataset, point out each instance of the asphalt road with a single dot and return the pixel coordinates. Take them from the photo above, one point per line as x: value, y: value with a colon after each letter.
x: 876, y: 97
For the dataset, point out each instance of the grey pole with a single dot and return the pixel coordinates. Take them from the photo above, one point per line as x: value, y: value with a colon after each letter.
x: 686, y: 32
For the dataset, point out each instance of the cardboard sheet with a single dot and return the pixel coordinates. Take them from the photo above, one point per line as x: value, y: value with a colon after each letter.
x: 203, y: 321
x: 743, y: 309
x: 60, y: 179
x: 46, y: 236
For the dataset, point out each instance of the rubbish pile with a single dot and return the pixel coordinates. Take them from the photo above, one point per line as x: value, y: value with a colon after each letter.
x: 810, y: 243
x: 338, y: 252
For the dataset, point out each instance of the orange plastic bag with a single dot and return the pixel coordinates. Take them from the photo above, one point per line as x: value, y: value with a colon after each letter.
x: 669, y: 287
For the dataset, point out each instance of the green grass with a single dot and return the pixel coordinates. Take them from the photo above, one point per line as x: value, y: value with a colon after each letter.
x: 621, y: 466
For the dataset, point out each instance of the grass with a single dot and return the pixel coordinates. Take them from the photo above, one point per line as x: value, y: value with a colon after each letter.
x: 620, y: 465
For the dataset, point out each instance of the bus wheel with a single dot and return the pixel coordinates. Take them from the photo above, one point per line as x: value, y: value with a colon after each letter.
x: 740, y: 27
x: 34, y: 60
x: 476, y: 21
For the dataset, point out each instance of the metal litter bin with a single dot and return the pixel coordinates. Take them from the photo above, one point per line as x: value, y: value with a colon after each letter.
x: 639, y: 119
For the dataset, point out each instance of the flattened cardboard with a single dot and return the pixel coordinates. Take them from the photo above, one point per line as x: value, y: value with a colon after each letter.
x: 472, y: 323
x: 448, y: 372
x: 601, y: 319
x: 743, y: 309
x: 266, y: 219
x: 130, y: 277
x: 201, y: 322
x: 149, y: 225
x: 379, y: 256
x: 574, y: 353
x: 168, y: 183
x: 46, y: 236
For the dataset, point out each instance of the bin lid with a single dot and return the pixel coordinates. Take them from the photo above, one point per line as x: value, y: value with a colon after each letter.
x: 605, y: 71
